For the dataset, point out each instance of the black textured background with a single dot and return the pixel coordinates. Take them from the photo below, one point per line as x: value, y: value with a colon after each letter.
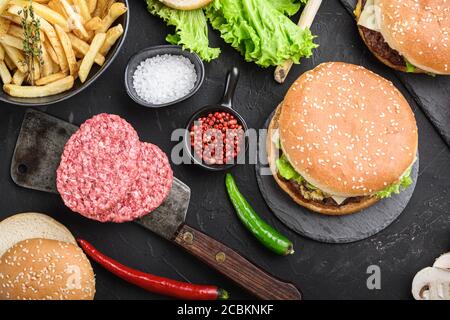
x: 322, y: 271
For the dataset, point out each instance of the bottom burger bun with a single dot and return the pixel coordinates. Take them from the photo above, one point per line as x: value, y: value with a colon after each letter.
x: 296, y: 195
x: 42, y: 269
x: 31, y: 225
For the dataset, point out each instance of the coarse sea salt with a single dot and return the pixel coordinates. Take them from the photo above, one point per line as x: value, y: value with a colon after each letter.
x: 164, y: 78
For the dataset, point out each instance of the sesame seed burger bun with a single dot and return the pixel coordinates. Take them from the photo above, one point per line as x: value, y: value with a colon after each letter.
x: 31, y: 225
x: 347, y: 131
x: 186, y: 4
x: 42, y: 269
x: 418, y: 31
x: 315, y: 206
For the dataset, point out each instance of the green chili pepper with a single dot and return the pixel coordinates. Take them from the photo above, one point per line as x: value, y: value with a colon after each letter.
x: 268, y: 236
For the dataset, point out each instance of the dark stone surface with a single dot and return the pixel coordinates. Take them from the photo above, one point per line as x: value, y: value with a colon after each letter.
x: 329, y: 229
x: 322, y: 271
x: 431, y: 93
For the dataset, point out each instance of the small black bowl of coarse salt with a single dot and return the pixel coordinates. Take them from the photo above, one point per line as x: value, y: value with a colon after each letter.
x: 163, y: 75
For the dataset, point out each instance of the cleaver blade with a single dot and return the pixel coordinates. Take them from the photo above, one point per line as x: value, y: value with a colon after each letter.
x: 37, y: 155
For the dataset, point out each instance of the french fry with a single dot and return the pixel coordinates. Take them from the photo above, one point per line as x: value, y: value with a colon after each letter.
x: 100, y: 8
x: 51, y: 78
x: 16, y: 57
x: 4, y: 25
x: 12, y: 17
x: 116, y: 10
x: 39, y: 91
x: 92, y: 4
x: 9, y: 63
x: 16, y: 31
x: 108, y: 5
x: 2, y: 53
x: 54, y: 41
x: 89, y: 58
x: 4, y: 73
x: 78, y: 55
x: 83, y: 9
x: 55, y: 67
x: 111, y: 37
x: 83, y: 47
x: 67, y: 46
x: 12, y: 41
x: 79, y: 64
x: 45, y: 12
x: 51, y: 52
x: 46, y: 63
x: 93, y: 24
x: 36, y: 69
x: 74, y: 20
x: 18, y: 77
x: 56, y: 6
x: 3, y: 5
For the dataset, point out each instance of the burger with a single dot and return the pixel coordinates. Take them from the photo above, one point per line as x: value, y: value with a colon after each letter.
x: 342, y: 139
x: 407, y: 35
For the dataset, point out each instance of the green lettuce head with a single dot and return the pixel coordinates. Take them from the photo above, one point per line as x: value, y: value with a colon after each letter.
x: 261, y: 30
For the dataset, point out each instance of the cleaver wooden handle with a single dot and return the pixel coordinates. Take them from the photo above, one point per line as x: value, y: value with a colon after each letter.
x: 234, y: 266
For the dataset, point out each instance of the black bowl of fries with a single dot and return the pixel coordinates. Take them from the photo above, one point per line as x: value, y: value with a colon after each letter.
x: 51, y: 51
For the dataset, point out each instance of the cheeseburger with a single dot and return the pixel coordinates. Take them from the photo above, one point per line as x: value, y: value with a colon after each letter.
x: 342, y: 139
x: 407, y: 35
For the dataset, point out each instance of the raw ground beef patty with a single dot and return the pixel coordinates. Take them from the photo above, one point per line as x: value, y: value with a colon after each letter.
x: 98, y: 166
x: 150, y: 189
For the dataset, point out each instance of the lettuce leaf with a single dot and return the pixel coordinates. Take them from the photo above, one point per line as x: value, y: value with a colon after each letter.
x: 191, y: 29
x: 288, y: 7
x: 288, y: 172
x: 409, y: 66
x: 285, y: 168
x: 405, y: 182
x: 260, y: 30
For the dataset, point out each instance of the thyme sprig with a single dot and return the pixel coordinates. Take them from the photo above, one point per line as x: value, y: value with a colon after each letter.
x: 32, y: 46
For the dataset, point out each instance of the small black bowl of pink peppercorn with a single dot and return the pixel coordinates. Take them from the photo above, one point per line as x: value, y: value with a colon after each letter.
x: 215, y: 136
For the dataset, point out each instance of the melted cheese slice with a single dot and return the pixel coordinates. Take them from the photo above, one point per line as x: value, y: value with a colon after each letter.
x: 338, y: 200
x: 371, y: 16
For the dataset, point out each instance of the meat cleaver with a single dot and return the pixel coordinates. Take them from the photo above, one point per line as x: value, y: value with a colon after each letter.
x: 37, y: 155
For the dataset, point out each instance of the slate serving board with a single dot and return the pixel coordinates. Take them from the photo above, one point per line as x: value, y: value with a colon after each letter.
x: 432, y: 94
x: 329, y: 229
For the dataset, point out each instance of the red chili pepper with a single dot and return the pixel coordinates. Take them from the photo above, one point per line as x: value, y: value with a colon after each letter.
x: 152, y: 283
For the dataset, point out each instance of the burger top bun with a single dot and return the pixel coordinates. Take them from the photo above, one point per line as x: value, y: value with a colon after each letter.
x: 186, y: 4
x: 31, y: 225
x: 346, y: 130
x: 42, y: 269
x: 418, y: 30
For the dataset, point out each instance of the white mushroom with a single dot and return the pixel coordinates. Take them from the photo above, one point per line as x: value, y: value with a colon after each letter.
x: 431, y: 283
x: 443, y: 262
